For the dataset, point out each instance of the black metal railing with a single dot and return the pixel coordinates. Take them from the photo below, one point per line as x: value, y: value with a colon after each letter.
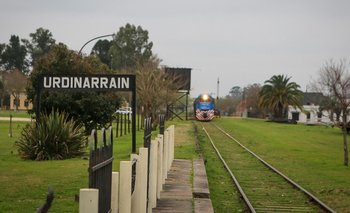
x: 133, y: 175
x: 100, y: 168
x: 123, y: 122
x: 161, y: 124
x: 147, y: 132
x: 147, y: 144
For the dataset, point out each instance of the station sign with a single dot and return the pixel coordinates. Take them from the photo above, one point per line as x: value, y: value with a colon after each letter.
x: 89, y: 82
x: 86, y: 83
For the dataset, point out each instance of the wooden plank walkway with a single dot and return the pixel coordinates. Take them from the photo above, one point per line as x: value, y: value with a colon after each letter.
x: 177, y: 195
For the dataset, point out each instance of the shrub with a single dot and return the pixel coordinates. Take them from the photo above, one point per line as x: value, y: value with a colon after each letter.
x: 55, y: 138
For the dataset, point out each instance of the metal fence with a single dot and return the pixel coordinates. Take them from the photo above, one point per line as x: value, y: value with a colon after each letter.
x: 140, y: 179
x: 147, y: 136
x: 100, y: 168
x: 133, y: 175
x: 123, y: 122
x: 147, y: 132
x: 161, y: 124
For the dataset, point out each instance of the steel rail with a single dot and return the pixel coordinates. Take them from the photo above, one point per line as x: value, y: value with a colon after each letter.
x: 244, y: 196
x: 313, y: 197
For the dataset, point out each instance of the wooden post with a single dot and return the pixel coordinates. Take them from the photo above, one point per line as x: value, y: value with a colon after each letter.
x: 117, y: 126
x: 10, y: 130
x: 142, y: 179
x: 88, y: 201
x: 153, y: 175
x: 172, y: 144
x: 165, y: 156
x: 135, y: 196
x: 115, y: 192
x: 160, y: 166
x: 125, y: 187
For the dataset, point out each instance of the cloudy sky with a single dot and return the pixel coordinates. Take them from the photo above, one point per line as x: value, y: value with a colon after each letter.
x: 241, y: 42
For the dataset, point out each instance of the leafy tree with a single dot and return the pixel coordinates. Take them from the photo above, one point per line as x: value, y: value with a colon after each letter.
x: 101, y: 50
x: 277, y: 94
x: 93, y: 109
x: 14, y: 55
x: 2, y: 93
x: 226, y: 105
x: 40, y: 44
x: 251, y: 100
x: 334, y: 81
x: 2, y: 48
x: 15, y: 84
x: 236, y: 92
x: 130, y: 47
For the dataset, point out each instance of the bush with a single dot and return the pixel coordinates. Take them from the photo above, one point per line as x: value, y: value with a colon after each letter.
x: 55, y: 138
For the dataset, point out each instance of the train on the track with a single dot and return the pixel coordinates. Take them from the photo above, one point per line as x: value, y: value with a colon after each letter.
x: 204, y: 107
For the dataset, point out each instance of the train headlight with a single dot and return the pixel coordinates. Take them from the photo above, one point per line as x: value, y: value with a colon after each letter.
x: 205, y: 97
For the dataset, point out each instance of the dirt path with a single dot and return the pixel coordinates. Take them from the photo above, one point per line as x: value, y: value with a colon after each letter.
x: 14, y: 119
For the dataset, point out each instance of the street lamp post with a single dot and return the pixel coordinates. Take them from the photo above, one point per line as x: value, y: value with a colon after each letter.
x: 92, y: 40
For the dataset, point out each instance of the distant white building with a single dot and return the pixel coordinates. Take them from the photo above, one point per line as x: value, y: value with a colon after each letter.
x: 310, y: 113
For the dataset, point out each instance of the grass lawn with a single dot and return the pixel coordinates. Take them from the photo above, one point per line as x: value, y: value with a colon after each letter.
x: 18, y: 114
x: 185, y: 147
x: 310, y: 155
x: 24, y: 184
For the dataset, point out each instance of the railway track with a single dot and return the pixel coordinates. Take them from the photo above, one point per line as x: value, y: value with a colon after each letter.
x: 262, y: 187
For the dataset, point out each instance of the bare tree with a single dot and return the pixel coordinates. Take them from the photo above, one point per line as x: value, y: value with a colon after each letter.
x: 15, y: 83
x: 155, y: 88
x: 334, y: 81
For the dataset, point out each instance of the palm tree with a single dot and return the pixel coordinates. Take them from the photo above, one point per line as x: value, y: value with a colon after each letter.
x: 278, y: 94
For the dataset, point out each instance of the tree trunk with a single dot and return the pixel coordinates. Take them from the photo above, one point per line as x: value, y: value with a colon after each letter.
x: 345, y: 140
x: 331, y: 117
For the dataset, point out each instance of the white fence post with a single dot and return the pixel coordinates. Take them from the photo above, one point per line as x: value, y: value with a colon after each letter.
x: 135, y: 196
x: 142, y: 178
x: 125, y: 187
x: 160, y: 166
x: 172, y: 144
x: 115, y: 192
x: 165, y: 155
x: 153, y: 175
x: 168, y: 160
x: 88, y: 201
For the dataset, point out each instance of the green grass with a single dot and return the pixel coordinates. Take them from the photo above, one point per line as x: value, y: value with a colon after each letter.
x: 185, y: 147
x: 24, y: 184
x: 18, y: 114
x: 224, y: 196
x: 310, y: 155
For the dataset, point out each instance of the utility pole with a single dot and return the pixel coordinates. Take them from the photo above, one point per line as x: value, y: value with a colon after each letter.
x: 217, y: 89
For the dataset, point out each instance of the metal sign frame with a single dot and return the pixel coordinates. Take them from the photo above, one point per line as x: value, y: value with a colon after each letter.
x: 86, y: 83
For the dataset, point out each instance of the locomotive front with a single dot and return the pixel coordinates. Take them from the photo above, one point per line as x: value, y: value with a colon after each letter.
x: 204, y: 107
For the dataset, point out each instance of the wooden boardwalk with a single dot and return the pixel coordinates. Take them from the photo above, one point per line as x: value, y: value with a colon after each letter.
x: 177, y: 195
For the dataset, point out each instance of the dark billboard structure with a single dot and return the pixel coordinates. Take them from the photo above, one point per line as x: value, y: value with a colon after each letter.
x: 180, y: 76
x: 182, y: 79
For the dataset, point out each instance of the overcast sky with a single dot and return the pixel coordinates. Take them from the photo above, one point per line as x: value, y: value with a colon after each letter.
x: 241, y: 42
